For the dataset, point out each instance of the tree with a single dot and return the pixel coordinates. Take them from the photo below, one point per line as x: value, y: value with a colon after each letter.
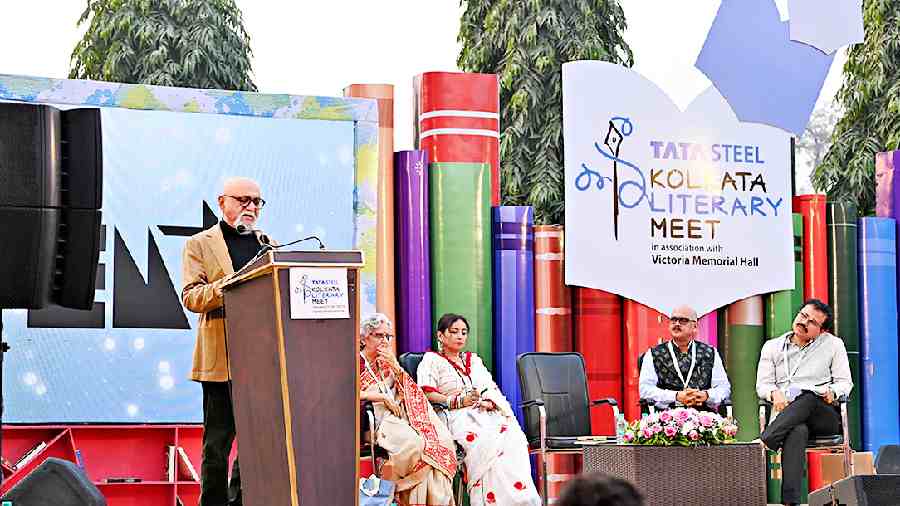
x: 188, y: 43
x: 526, y: 42
x: 816, y: 139
x: 870, y: 97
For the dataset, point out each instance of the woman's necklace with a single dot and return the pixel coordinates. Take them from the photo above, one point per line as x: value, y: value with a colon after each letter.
x: 464, y: 371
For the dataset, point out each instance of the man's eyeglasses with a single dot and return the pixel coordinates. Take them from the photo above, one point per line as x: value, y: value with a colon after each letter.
x: 810, y: 320
x: 681, y: 320
x: 245, y: 201
x: 383, y: 337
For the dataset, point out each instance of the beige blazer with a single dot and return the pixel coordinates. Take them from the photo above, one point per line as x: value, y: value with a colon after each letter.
x: 206, y: 266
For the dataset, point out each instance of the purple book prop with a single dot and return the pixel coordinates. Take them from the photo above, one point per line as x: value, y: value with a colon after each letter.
x: 413, y: 267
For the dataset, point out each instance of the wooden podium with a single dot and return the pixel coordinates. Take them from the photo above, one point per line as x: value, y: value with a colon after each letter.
x: 294, y: 383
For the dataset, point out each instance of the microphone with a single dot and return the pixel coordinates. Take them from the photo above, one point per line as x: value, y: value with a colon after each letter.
x: 321, y: 244
x: 243, y: 229
x: 267, y: 246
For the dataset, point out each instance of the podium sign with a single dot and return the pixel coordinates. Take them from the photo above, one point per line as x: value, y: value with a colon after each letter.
x: 319, y: 292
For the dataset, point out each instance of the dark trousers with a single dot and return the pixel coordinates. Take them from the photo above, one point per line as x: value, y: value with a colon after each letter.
x: 218, y: 436
x: 809, y: 416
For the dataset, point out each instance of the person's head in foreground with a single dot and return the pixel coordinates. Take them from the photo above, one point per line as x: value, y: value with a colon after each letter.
x: 598, y: 489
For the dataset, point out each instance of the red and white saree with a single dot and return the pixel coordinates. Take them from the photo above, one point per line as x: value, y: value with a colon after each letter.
x: 498, y: 469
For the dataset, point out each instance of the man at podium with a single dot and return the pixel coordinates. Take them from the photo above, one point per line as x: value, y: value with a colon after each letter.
x: 210, y: 259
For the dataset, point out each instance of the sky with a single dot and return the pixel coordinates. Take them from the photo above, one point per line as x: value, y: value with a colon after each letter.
x: 311, y: 48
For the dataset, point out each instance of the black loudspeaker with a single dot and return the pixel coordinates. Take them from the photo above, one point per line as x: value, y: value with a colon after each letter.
x: 55, y: 482
x: 27, y: 255
x: 51, y: 166
x: 81, y: 185
x: 888, y: 460
x: 30, y: 155
x: 872, y: 490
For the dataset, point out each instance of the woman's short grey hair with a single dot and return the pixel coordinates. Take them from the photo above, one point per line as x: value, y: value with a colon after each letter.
x: 372, y: 322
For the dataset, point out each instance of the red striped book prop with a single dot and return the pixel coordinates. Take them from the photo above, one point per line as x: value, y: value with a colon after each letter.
x: 458, y: 120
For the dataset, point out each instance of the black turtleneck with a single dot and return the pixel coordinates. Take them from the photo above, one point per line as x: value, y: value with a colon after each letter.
x: 241, y: 248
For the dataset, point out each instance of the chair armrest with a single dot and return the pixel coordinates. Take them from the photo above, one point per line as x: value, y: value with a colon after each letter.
x: 647, y: 404
x: 612, y: 404
x: 531, y: 403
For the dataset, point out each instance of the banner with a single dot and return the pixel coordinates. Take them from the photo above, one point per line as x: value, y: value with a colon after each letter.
x: 666, y: 207
x: 127, y: 361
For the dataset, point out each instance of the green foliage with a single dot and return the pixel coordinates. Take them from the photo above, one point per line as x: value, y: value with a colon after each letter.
x: 526, y: 42
x: 188, y: 43
x: 870, y: 98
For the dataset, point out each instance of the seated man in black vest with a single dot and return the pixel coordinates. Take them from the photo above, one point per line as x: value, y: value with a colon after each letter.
x: 683, y: 371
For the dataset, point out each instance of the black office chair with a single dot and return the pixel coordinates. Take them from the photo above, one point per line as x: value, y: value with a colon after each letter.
x: 829, y: 442
x: 410, y: 361
x: 556, y: 407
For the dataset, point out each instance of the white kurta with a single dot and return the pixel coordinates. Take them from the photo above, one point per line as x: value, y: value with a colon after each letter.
x: 498, y: 468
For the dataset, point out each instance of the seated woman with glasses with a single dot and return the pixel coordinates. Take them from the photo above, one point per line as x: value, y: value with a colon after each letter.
x: 480, y: 418
x: 421, y: 452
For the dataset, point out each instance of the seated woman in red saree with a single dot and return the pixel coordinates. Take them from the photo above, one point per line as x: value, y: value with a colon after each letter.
x: 481, y: 420
x: 421, y: 451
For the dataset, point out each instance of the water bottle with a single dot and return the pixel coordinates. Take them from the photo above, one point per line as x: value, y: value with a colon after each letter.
x: 621, y: 424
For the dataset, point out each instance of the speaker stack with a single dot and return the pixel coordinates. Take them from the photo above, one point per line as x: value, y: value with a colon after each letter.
x: 51, y: 166
x: 867, y: 490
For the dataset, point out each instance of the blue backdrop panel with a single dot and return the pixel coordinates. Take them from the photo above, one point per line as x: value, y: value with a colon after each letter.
x: 513, y: 244
x: 878, y: 326
x: 162, y: 173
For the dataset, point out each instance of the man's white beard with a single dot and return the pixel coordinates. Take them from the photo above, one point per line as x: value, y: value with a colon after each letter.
x: 243, y: 228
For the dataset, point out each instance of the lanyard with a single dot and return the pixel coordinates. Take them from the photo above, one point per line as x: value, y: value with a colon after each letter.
x: 378, y: 380
x: 787, y: 367
x: 678, y: 367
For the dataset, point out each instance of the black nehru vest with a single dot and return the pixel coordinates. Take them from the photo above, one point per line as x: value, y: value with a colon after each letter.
x: 241, y: 248
x: 665, y: 371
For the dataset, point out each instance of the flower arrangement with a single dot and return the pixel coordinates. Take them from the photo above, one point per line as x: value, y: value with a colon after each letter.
x: 681, y: 427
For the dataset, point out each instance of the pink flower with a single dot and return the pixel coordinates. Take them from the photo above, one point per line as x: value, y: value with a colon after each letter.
x: 731, y: 430
x: 694, y: 435
x: 682, y: 415
x: 670, y: 431
x: 628, y: 437
x: 656, y: 428
x: 706, y: 420
x: 647, y: 433
x: 665, y: 416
